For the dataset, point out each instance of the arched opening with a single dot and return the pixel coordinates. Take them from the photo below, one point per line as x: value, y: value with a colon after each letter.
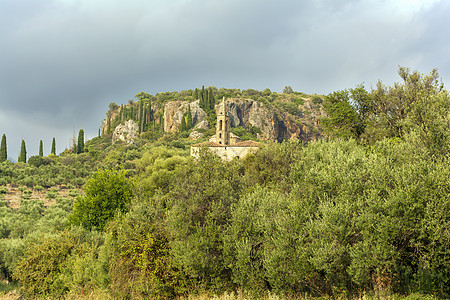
x: 220, y: 125
x: 220, y: 135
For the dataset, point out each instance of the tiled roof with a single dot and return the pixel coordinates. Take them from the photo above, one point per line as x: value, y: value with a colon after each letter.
x: 214, y: 144
x: 248, y: 143
x: 208, y: 144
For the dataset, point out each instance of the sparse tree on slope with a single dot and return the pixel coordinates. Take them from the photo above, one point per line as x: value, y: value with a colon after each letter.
x: 183, y: 124
x: 41, y: 148
x: 54, y: 146
x: 80, y: 145
x: 3, y: 151
x: 189, y: 118
x: 23, y: 153
x: 212, y: 101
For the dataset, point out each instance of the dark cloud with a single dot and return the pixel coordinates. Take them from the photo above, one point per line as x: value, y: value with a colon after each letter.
x: 63, y: 62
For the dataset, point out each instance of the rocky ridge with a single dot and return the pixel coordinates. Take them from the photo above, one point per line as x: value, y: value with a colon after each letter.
x: 274, y: 124
x: 126, y: 132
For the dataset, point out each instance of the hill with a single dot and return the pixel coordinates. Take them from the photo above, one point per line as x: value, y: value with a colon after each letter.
x: 264, y: 115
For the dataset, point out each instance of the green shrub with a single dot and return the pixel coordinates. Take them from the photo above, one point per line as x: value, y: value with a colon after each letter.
x: 317, y: 99
x: 38, y: 187
x: 52, y: 194
x: 106, y: 193
x: 52, y: 266
x: 73, y: 193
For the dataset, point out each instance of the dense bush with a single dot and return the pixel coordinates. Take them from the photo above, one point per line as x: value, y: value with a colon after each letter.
x: 54, y: 265
x: 105, y: 194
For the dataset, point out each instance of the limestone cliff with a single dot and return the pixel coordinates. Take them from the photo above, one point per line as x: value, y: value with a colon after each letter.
x: 275, y: 123
x: 276, y: 118
x: 126, y: 132
x: 174, y: 111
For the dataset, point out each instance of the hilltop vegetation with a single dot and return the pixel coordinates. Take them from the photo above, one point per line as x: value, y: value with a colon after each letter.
x: 153, y: 114
x: 364, y: 211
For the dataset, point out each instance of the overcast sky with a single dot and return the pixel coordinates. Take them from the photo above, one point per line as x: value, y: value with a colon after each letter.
x: 63, y: 61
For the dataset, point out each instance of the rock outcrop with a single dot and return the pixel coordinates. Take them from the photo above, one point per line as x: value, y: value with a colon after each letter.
x: 174, y: 111
x: 195, y: 135
x: 126, y: 132
x: 274, y: 124
x: 202, y: 125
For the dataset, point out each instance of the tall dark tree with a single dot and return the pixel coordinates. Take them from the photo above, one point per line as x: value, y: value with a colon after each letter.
x: 54, y: 144
x: 23, y: 153
x: 189, y: 124
x: 183, y: 126
x: 3, y: 151
x: 141, y: 116
x: 150, y: 112
x: 80, y: 145
x: 41, y: 148
x: 203, y: 98
x: 108, y: 130
x: 196, y: 94
x: 211, y: 98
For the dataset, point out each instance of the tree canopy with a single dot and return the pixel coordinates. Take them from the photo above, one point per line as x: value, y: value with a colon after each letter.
x: 105, y: 194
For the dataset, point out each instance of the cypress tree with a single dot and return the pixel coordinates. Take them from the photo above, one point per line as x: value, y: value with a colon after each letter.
x: 23, y: 153
x: 3, y: 151
x: 211, y: 98
x: 196, y: 94
x: 41, y: 149
x: 141, y: 116
x: 145, y: 119
x: 203, y: 98
x: 189, y: 118
x: 183, y: 124
x: 150, y: 112
x: 108, y: 130
x: 54, y: 145
x: 80, y: 145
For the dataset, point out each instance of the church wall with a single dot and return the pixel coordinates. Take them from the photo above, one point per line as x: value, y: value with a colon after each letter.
x: 226, y: 153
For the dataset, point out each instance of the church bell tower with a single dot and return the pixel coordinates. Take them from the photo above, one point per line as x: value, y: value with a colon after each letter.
x: 223, y: 124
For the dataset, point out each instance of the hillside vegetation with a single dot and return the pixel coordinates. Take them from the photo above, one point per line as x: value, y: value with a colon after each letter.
x: 363, y: 212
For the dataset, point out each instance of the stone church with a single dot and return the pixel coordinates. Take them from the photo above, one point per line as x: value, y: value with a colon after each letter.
x: 224, y: 143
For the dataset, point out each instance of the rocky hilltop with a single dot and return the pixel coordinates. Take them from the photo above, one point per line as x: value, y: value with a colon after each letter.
x: 272, y: 116
x: 274, y: 123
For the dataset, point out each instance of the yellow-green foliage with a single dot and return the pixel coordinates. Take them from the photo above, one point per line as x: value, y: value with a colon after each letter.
x: 39, y: 270
x: 105, y: 194
x: 157, y: 168
x: 139, y: 247
x: 53, y: 265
